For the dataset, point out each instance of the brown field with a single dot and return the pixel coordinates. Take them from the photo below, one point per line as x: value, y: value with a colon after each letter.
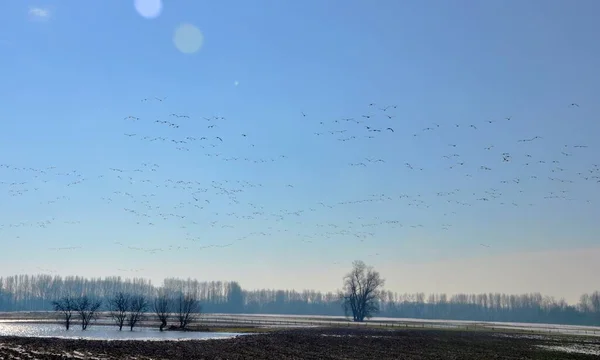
x: 315, y: 343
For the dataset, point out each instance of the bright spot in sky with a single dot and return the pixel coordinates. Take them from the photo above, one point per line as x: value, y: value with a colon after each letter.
x: 236, y: 83
x: 188, y: 39
x: 39, y: 13
x: 148, y: 8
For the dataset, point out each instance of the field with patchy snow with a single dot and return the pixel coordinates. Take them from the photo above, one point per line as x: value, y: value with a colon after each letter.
x: 293, y: 337
x: 317, y: 343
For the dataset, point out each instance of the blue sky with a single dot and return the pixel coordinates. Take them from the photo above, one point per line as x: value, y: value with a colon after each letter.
x: 72, y: 73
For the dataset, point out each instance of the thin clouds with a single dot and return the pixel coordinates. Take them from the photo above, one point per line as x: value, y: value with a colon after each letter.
x: 39, y: 13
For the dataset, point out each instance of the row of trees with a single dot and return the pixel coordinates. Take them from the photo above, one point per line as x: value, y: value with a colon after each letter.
x: 33, y: 293
x: 363, y: 296
x: 128, y: 310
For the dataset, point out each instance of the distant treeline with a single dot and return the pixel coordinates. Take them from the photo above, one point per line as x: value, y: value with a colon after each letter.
x: 31, y: 293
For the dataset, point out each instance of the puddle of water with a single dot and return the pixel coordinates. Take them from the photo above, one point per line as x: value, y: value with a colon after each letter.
x: 101, y: 332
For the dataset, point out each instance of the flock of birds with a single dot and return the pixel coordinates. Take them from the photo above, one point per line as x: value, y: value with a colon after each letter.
x: 146, y: 196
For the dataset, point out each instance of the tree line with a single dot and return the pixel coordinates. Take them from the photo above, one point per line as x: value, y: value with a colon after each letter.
x: 38, y: 292
x: 129, y: 310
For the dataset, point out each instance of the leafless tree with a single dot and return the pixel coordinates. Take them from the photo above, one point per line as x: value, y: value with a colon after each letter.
x: 362, y: 291
x: 595, y: 301
x: 187, y: 310
x: 118, y: 307
x: 66, y: 307
x: 137, y: 308
x: 162, y: 308
x: 87, y: 310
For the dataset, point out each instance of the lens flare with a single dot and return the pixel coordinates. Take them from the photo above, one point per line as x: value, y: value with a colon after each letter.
x: 188, y: 39
x: 148, y: 8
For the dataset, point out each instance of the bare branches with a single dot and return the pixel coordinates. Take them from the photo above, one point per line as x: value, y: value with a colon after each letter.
x: 84, y: 307
x: 187, y: 310
x: 362, y: 291
x: 65, y: 306
x: 137, y: 307
x: 118, y: 306
x: 87, y: 310
x: 125, y: 308
x: 162, y: 307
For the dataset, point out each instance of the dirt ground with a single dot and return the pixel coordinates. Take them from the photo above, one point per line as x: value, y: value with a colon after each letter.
x: 324, y: 343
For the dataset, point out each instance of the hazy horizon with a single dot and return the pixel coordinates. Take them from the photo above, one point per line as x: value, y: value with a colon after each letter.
x: 432, y: 277
x: 449, y: 145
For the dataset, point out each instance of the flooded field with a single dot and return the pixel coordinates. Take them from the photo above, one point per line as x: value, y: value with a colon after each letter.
x: 42, y: 335
x: 301, y: 321
x: 102, y: 332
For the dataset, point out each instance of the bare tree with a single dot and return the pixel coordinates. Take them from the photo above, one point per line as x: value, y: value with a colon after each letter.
x: 87, y: 310
x: 137, y: 307
x: 118, y: 307
x: 187, y: 310
x: 362, y: 291
x: 162, y: 307
x: 65, y: 306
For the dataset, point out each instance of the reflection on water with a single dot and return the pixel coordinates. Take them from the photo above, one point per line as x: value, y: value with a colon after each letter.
x: 99, y: 332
